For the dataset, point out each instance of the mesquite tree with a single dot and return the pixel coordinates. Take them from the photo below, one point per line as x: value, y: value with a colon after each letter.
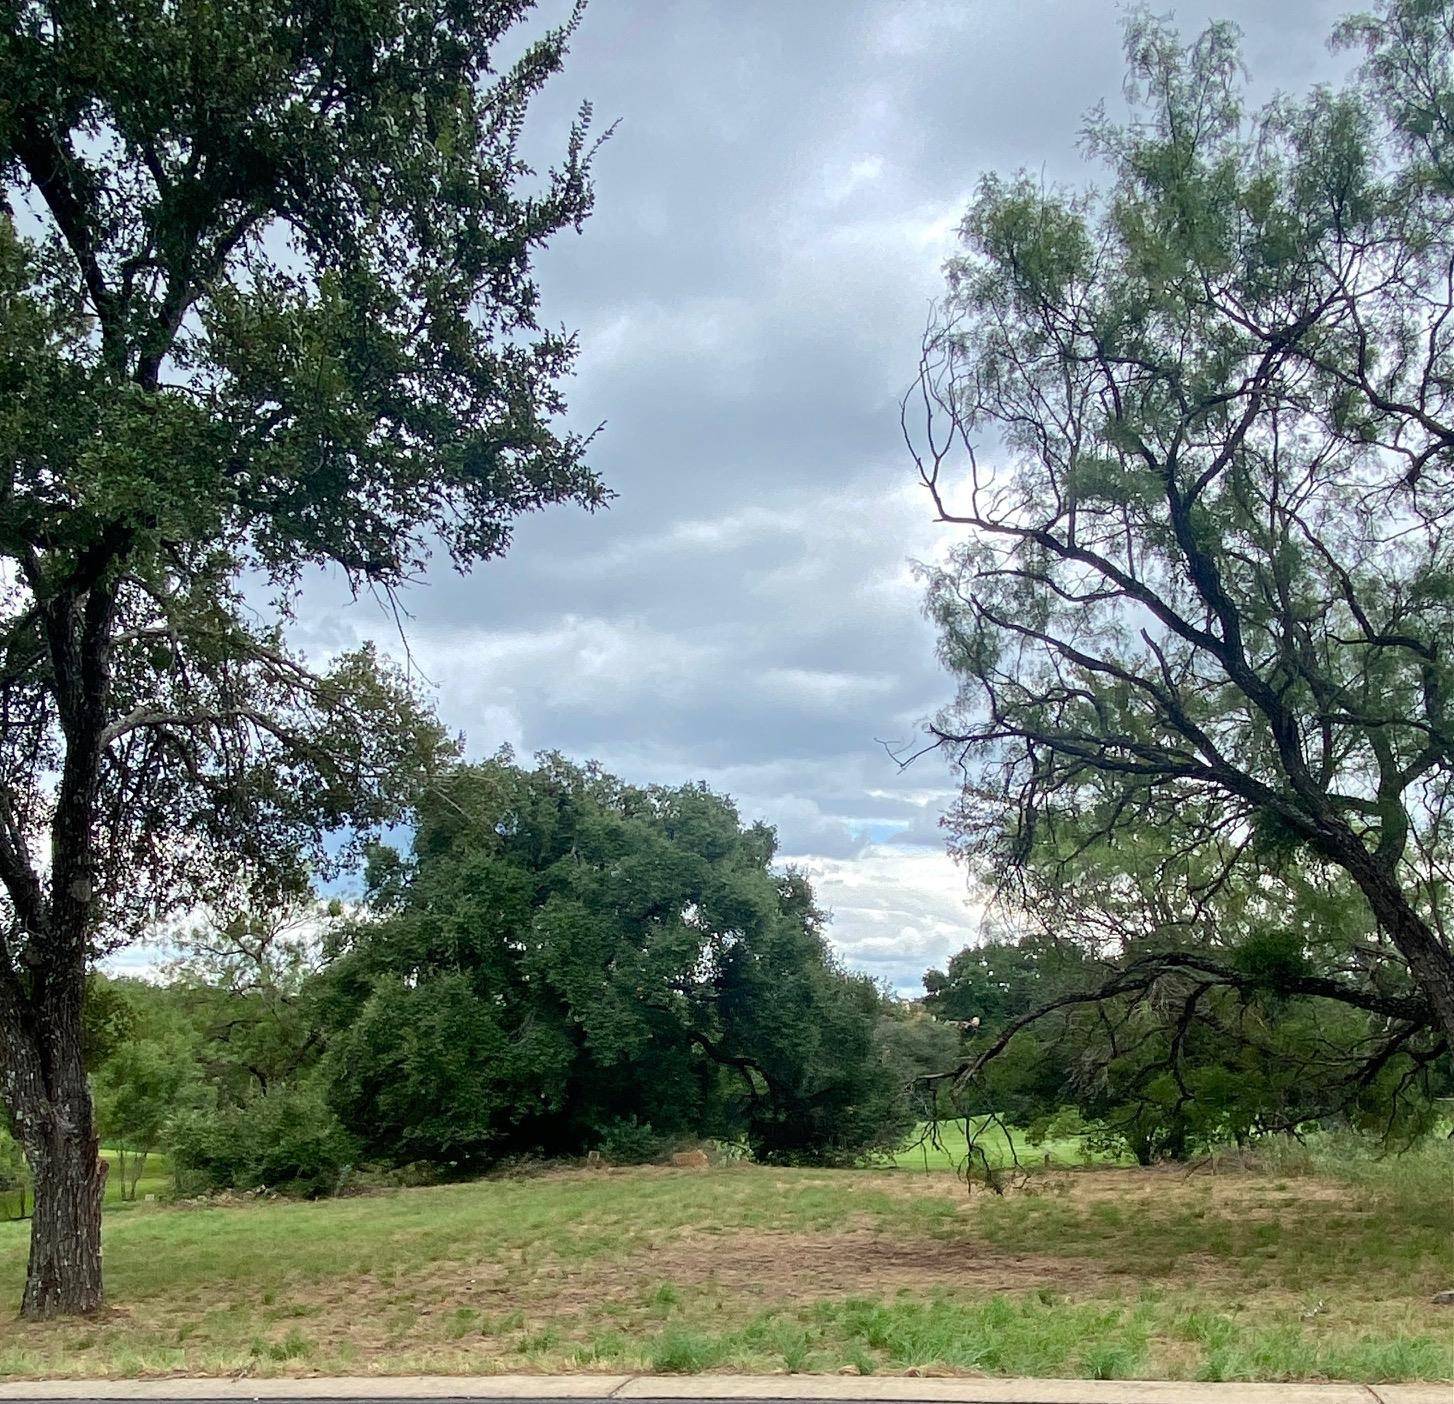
x: 1200, y: 425
x: 265, y: 306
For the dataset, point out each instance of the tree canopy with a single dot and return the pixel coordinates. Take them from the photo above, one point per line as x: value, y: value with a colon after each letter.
x: 266, y: 306
x: 563, y: 961
x: 1199, y: 423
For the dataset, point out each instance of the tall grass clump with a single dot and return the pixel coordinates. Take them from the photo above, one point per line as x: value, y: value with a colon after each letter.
x: 1417, y: 1179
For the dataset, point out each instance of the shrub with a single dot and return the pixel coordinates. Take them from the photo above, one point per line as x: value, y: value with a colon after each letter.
x: 286, y: 1139
x: 627, y: 1141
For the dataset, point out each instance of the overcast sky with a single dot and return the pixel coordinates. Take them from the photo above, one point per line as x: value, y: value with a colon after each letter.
x: 772, y: 216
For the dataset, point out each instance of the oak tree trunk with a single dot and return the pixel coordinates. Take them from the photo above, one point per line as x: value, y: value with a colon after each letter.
x: 49, y: 1099
x: 48, y: 1092
x: 64, y: 1277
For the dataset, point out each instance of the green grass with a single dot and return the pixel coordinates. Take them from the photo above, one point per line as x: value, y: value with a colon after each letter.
x: 1297, y: 1270
x: 156, y: 1180
x: 947, y: 1148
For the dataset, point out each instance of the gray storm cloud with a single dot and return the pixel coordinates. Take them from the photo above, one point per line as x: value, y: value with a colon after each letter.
x: 773, y: 214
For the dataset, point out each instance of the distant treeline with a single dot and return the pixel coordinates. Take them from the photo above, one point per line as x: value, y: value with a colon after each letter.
x: 561, y: 963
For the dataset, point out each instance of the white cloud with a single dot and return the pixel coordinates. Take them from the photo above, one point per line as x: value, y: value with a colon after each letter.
x: 896, y: 910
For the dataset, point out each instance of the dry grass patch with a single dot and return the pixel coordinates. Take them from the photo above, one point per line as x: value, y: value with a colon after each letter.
x: 1243, y: 1273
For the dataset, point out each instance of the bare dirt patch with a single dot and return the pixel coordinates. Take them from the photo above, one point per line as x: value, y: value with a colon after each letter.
x: 808, y: 1266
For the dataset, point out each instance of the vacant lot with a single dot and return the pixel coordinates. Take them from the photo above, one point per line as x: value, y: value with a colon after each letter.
x: 1233, y: 1273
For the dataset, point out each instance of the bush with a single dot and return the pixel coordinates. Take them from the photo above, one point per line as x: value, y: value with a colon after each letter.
x: 627, y: 1141
x: 286, y: 1139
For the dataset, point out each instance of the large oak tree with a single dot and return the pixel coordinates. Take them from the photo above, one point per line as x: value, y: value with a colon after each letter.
x: 1199, y: 424
x: 565, y: 962
x: 265, y: 306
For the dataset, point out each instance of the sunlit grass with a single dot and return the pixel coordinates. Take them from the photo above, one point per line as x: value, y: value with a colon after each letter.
x: 946, y: 1147
x: 155, y: 1180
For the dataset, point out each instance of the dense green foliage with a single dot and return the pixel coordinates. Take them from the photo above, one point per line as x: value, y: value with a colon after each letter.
x: 139, y: 1089
x: 266, y: 307
x: 1183, y: 1049
x: 560, y: 963
x: 564, y: 962
x: 282, y: 1139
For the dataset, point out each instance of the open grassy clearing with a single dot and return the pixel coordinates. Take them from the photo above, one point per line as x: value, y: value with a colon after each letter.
x: 948, y: 1148
x: 1240, y: 1274
x: 155, y: 1180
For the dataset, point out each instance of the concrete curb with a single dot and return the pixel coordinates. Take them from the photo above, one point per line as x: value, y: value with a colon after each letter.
x: 890, y: 1389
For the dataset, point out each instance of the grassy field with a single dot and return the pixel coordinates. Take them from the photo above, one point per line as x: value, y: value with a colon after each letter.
x: 1290, y: 1271
x: 156, y: 1180
x: 947, y: 1148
